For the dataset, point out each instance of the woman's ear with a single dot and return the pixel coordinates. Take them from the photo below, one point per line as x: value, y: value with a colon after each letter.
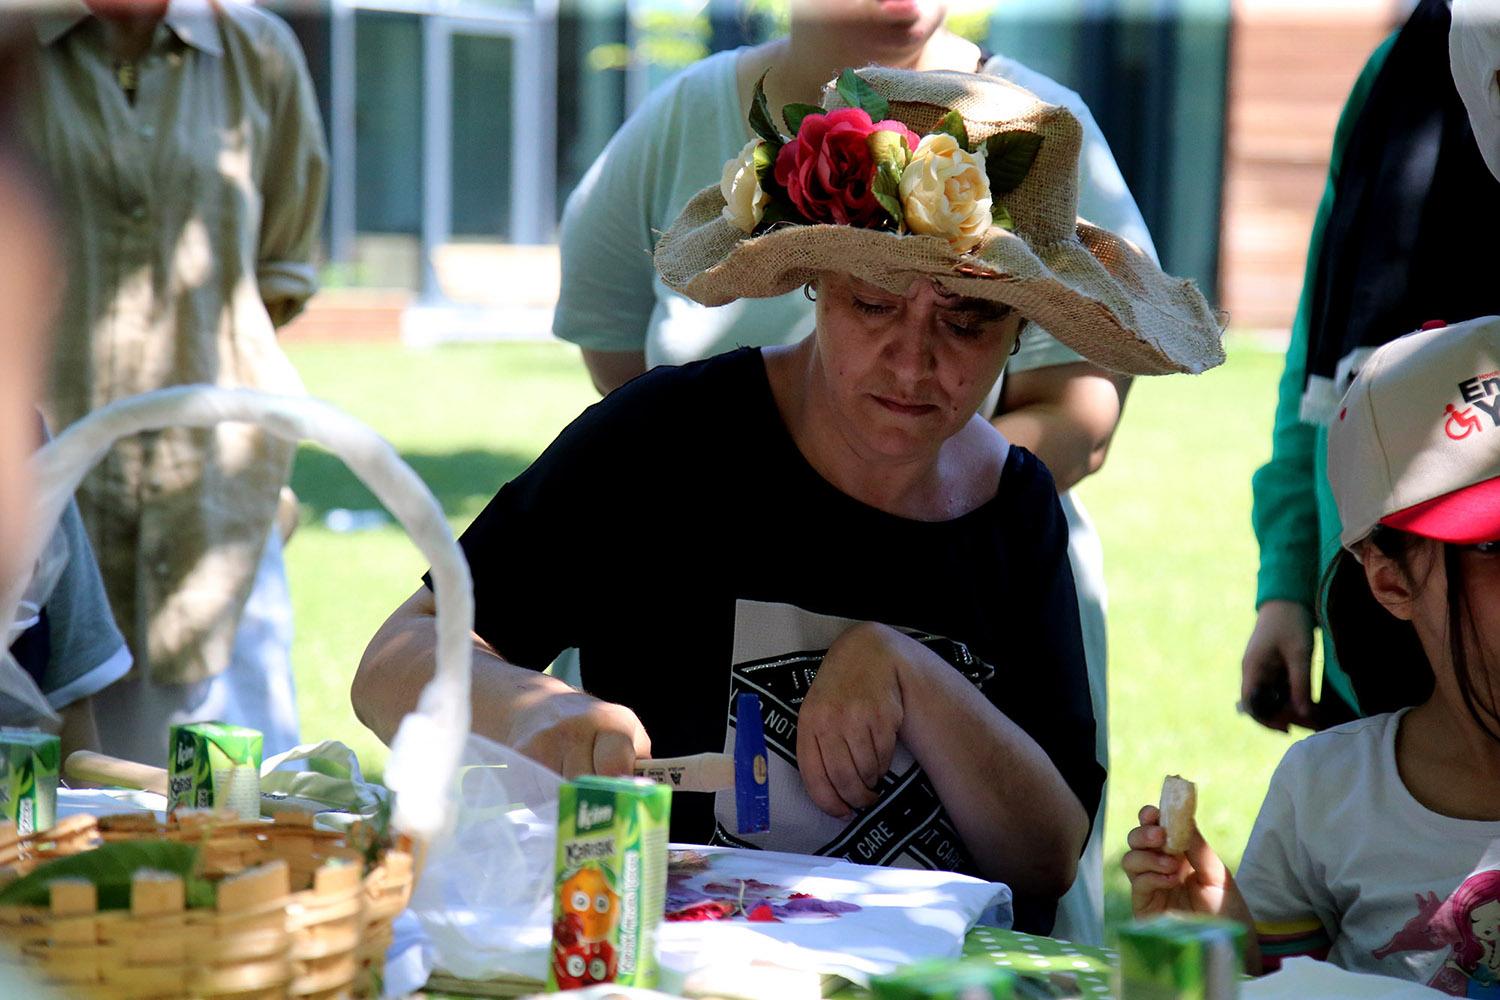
x: 1388, y: 582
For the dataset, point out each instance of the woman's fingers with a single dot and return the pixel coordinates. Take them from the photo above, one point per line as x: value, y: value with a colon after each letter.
x: 613, y: 753
x: 815, y: 777
x: 843, y: 770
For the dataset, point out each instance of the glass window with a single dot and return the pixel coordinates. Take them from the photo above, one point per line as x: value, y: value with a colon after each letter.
x: 388, y: 122
x: 483, y: 135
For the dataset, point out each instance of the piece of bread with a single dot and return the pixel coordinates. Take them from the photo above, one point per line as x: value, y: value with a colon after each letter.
x: 1179, y: 800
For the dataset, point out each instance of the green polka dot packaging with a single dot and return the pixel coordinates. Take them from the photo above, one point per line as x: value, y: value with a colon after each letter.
x: 943, y: 979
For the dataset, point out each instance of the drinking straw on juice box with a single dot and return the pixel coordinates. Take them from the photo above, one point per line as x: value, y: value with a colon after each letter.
x: 29, y: 760
x: 214, y: 765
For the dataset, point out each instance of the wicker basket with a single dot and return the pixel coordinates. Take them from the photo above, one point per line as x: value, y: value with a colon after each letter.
x: 296, y: 915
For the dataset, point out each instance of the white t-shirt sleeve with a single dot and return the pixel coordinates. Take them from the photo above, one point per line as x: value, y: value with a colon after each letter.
x: 1294, y: 914
x: 668, y: 150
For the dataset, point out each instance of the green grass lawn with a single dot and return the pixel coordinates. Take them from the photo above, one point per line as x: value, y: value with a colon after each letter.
x: 1172, y: 506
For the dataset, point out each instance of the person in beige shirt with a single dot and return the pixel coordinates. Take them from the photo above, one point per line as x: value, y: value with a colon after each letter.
x: 183, y: 142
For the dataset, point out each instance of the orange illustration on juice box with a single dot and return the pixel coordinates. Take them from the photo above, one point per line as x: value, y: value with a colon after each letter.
x: 610, y: 881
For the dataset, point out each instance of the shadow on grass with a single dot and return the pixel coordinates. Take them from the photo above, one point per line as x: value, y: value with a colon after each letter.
x: 458, y: 479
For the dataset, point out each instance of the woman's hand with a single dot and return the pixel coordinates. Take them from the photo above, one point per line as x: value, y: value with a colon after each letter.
x: 847, y: 726
x: 574, y: 733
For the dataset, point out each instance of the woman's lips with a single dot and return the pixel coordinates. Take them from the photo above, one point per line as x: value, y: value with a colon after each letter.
x: 905, y: 409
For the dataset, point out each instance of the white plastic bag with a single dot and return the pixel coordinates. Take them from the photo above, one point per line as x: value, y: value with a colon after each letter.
x: 484, y: 900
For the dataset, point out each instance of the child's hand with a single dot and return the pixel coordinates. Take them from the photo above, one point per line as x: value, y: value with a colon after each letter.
x: 1163, y: 883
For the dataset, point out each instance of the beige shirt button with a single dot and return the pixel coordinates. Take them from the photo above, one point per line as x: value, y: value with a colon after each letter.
x: 148, y: 130
x: 138, y: 213
x: 163, y: 568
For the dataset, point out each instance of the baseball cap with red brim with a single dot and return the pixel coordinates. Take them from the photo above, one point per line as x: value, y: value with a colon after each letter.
x: 1416, y: 442
x: 1464, y: 517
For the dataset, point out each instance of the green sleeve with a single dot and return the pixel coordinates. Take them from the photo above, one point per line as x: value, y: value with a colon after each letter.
x: 1285, y: 510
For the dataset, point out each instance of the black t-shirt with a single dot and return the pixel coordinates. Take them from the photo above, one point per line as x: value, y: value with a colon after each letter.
x: 669, y: 522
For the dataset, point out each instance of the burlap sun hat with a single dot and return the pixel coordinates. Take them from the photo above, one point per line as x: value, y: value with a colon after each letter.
x: 968, y: 179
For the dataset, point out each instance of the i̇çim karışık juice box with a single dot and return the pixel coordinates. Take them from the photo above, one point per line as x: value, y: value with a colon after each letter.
x: 28, y: 782
x: 214, y: 765
x: 611, y: 881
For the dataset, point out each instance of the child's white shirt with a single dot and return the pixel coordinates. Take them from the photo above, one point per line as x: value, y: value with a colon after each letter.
x: 1342, y: 851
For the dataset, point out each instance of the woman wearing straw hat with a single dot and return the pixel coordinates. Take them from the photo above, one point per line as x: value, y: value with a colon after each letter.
x: 624, y: 319
x: 909, y: 721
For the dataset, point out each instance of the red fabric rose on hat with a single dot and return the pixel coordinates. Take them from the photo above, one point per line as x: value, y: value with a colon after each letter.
x: 828, y: 170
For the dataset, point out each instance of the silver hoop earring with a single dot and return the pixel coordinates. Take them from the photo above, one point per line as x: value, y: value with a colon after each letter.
x: 809, y: 293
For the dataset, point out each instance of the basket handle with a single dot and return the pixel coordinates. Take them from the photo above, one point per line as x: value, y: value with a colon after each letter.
x: 428, y: 744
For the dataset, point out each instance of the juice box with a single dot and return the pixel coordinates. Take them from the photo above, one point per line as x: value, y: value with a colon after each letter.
x: 611, y: 881
x: 1181, y: 958
x: 214, y: 765
x: 28, y: 778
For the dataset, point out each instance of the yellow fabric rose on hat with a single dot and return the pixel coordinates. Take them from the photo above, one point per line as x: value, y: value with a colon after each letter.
x: 945, y: 192
x: 744, y: 201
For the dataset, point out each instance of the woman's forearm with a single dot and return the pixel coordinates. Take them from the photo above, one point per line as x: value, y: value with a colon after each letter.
x: 1019, y: 819
x: 401, y: 658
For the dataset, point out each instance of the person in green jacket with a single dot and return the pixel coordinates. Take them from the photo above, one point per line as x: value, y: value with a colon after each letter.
x: 1406, y: 182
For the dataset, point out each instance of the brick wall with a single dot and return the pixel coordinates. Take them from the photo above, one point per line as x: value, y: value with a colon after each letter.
x: 1290, y: 70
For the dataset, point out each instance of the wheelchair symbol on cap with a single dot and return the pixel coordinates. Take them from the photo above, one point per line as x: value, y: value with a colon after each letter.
x: 1464, y: 418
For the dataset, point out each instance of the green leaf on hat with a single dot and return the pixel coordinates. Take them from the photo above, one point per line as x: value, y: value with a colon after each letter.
x: 953, y: 124
x: 1007, y: 159
x: 859, y: 94
x: 1000, y: 215
x: 760, y: 114
x: 795, y: 112
x: 887, y: 191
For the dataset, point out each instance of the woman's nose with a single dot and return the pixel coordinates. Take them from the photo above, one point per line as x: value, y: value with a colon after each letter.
x: 909, y: 346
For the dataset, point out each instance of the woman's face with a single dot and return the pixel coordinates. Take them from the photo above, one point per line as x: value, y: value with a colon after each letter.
x: 904, y: 373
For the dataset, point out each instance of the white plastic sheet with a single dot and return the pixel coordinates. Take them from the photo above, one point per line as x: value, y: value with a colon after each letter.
x: 1304, y: 978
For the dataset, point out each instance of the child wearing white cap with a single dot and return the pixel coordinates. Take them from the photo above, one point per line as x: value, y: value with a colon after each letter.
x: 1378, y: 845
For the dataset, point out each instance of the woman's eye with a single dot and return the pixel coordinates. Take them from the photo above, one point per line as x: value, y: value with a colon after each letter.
x: 966, y: 327
x: 874, y: 308
x: 1490, y: 548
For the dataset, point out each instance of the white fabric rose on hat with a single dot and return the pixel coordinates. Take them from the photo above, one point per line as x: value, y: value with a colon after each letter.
x: 945, y: 192
x: 744, y: 201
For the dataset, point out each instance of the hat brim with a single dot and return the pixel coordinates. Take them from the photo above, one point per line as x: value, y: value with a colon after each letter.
x: 1464, y: 517
x: 1096, y: 293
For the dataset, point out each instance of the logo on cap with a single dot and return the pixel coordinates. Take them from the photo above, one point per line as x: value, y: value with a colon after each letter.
x: 1484, y: 392
x: 1464, y: 418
